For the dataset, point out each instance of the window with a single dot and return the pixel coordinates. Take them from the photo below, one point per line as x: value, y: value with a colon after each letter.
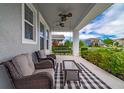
x: 47, y: 39
x: 29, y: 24
x: 44, y: 34
x: 41, y: 36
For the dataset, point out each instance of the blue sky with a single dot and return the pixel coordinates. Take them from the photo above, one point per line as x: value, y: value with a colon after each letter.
x: 109, y: 24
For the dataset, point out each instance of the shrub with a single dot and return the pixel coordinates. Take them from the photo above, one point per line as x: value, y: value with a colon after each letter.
x: 81, y: 44
x: 117, y: 49
x: 107, y: 59
x: 68, y: 43
x: 61, y: 50
x: 95, y: 56
x: 84, y: 48
x: 117, y: 63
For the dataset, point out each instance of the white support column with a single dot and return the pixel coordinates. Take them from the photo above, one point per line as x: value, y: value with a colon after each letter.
x: 75, y: 43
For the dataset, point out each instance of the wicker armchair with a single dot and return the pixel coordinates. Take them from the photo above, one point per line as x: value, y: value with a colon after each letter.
x: 41, y: 78
x: 42, y: 57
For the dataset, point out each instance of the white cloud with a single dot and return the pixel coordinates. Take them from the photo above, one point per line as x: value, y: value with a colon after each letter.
x: 112, y: 22
x: 82, y: 36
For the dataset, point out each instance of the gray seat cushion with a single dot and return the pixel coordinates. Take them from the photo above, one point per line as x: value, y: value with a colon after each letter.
x: 31, y: 64
x: 34, y: 57
x: 41, y: 54
x: 24, y: 64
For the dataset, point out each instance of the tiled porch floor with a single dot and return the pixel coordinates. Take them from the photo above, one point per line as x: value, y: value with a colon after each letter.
x: 92, y: 76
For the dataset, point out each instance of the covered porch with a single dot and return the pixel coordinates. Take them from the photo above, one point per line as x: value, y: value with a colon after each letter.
x: 92, y: 77
x: 81, y: 15
x: 29, y: 29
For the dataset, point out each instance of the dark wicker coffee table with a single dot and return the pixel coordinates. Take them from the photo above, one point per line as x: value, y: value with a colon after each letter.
x: 71, y: 71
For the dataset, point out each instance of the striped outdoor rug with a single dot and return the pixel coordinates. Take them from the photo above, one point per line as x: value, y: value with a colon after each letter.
x: 88, y: 79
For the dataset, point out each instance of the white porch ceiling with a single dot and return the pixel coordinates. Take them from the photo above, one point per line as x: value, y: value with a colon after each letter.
x: 50, y: 13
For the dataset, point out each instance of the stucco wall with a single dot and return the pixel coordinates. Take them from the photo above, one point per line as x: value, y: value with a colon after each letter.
x: 11, y: 32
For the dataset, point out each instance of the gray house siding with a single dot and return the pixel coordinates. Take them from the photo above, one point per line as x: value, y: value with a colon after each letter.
x: 11, y: 32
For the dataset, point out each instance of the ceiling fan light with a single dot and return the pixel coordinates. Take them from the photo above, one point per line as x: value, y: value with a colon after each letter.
x: 61, y: 24
x: 69, y: 15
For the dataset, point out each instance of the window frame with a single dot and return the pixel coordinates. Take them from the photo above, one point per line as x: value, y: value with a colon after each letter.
x: 34, y: 25
x: 42, y: 36
x: 47, y: 39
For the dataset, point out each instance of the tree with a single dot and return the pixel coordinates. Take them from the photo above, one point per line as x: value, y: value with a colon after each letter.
x: 81, y: 44
x: 116, y: 43
x: 108, y: 41
x: 68, y: 43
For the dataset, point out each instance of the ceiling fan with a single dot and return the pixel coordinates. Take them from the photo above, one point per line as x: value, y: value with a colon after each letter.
x: 63, y: 18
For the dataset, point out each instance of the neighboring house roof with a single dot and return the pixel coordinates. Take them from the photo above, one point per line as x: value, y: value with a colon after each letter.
x: 92, y: 39
x: 58, y: 37
x: 120, y: 39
